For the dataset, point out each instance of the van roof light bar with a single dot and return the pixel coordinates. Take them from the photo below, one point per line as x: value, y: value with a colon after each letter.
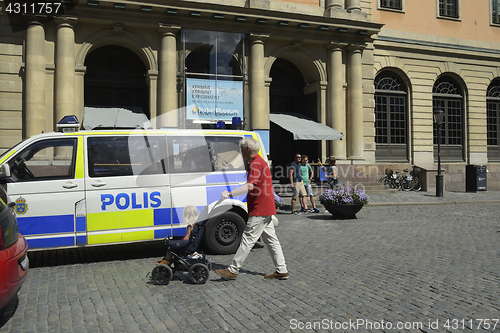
x: 68, y: 124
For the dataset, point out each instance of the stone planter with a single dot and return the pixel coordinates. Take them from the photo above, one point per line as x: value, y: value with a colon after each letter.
x: 343, y: 211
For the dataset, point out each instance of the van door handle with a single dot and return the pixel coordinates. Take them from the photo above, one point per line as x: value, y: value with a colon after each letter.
x: 69, y: 185
x: 98, y: 184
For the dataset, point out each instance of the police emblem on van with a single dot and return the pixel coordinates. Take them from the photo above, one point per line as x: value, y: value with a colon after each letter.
x: 21, y: 206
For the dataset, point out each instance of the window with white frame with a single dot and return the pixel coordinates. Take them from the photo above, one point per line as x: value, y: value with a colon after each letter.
x: 391, y: 4
x: 493, y: 120
x: 449, y: 8
x: 495, y: 8
x: 391, y: 120
x: 447, y: 95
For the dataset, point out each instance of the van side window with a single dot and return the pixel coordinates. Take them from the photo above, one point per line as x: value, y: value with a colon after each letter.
x: 126, y: 155
x: 205, y: 154
x: 189, y: 154
x: 226, y: 154
x: 44, y: 160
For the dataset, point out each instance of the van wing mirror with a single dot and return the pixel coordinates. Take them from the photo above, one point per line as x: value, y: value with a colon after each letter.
x: 5, y: 171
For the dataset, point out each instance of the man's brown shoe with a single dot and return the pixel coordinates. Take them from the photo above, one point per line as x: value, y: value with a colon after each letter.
x: 276, y: 275
x: 226, y: 274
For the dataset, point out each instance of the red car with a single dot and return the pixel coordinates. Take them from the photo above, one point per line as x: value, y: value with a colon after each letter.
x: 14, y: 261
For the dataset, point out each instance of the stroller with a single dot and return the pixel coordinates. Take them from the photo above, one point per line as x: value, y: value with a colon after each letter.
x: 198, y: 266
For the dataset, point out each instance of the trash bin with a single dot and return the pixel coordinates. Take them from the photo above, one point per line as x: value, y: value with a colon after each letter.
x: 475, y: 178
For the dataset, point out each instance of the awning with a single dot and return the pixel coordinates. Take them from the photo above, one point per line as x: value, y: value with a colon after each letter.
x: 304, y: 128
x: 96, y: 117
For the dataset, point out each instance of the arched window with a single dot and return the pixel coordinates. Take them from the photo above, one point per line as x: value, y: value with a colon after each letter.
x: 391, y: 121
x: 493, y: 120
x: 447, y: 96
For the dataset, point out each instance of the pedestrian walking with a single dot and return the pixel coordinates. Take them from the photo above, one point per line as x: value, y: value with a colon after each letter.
x: 307, y: 176
x: 261, y: 208
x: 296, y: 183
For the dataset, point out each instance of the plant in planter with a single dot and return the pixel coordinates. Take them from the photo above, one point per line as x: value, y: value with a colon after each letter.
x: 344, y: 202
x: 278, y: 201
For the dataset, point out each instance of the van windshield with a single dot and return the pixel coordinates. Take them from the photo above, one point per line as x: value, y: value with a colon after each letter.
x: 5, y: 152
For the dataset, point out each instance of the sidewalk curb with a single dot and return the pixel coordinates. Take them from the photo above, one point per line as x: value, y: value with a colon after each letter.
x: 426, y: 203
x: 431, y: 203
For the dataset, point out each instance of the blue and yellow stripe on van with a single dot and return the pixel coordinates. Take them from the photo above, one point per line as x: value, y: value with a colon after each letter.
x: 128, y: 226
x: 57, y: 230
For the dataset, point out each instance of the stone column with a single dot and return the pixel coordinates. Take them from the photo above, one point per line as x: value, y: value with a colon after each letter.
x: 336, y: 117
x: 80, y: 92
x: 354, y: 104
x: 152, y: 81
x: 333, y: 4
x: 65, y: 68
x: 167, y: 109
x: 35, y: 79
x: 352, y: 5
x: 259, y: 114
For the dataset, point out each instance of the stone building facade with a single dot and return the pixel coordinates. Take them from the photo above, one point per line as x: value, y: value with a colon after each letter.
x: 438, y: 54
x: 349, y: 64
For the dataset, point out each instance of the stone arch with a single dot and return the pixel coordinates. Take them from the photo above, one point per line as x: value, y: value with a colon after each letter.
x: 309, y: 64
x: 116, y: 36
x: 399, y: 72
x: 120, y: 38
x: 455, y: 76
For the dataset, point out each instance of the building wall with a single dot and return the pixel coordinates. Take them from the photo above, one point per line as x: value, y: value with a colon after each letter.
x: 11, y: 84
x: 466, y: 48
x: 473, y: 24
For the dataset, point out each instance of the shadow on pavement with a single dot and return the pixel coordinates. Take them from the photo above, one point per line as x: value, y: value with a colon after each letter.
x: 90, y: 254
x: 214, y: 277
x: 8, y: 311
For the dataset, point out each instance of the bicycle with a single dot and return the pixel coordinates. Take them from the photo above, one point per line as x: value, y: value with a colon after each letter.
x: 391, y: 178
x: 410, y: 181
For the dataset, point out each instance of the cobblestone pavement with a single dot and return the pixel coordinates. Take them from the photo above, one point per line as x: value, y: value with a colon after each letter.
x: 412, y: 268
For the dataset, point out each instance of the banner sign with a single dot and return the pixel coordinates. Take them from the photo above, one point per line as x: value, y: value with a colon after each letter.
x: 214, y: 100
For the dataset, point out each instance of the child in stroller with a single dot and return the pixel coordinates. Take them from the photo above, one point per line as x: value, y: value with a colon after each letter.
x: 181, y: 254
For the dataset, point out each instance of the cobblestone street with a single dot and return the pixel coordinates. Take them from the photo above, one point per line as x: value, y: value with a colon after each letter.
x: 400, y: 268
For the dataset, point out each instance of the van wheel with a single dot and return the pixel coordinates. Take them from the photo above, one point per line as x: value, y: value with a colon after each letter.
x: 223, y: 233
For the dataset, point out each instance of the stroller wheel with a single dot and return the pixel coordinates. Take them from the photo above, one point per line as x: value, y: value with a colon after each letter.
x: 162, y: 274
x: 198, y: 273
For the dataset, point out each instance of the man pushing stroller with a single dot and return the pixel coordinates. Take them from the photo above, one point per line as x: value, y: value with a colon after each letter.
x: 261, y: 208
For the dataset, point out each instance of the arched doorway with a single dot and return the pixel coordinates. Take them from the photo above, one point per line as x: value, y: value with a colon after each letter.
x: 116, y: 76
x: 286, y: 95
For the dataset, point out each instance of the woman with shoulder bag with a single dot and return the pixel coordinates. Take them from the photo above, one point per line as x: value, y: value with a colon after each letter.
x: 330, y: 172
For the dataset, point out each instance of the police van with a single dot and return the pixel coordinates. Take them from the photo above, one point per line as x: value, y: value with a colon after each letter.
x: 103, y: 187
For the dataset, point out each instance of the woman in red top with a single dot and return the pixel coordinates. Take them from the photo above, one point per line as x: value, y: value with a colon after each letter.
x: 261, y: 208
